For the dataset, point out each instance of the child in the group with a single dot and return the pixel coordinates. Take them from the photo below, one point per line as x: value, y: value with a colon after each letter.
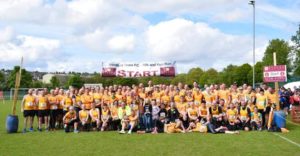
x: 256, y: 119
x: 84, y: 118
x: 95, y: 117
x: 70, y: 119
x: 148, y: 116
x: 105, y: 117
x: 161, y: 120
x: 155, y: 117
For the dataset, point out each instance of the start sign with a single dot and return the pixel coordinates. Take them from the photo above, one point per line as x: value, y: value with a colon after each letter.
x: 275, y: 73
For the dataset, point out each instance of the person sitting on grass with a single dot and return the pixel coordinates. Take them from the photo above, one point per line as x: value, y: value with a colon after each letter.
x: 193, y: 117
x: 84, y: 118
x: 133, y: 120
x: 244, y: 115
x: 175, y: 124
x: 256, y: 120
x: 70, y: 119
x: 105, y: 117
x: 215, y: 114
x: 95, y: 117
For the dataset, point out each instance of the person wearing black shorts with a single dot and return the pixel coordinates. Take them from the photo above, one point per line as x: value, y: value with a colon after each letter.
x: 27, y: 107
x: 53, y: 103
x: 43, y: 110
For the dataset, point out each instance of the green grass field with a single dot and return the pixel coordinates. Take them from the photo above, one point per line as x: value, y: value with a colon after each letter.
x: 111, y: 143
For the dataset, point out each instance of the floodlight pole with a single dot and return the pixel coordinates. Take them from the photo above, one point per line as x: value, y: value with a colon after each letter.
x: 252, y: 2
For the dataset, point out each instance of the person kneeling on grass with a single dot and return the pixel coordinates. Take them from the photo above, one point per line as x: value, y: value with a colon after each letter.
x: 256, y: 119
x: 95, y: 116
x: 232, y: 118
x: 84, y: 118
x: 244, y: 115
x: 70, y: 120
x: 105, y: 116
x: 193, y: 117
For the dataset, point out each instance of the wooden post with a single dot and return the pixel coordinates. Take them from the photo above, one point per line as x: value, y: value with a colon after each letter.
x: 17, y: 85
x: 276, y: 84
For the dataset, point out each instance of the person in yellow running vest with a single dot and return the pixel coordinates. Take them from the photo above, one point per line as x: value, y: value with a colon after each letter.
x: 244, y: 115
x: 27, y: 107
x: 43, y: 110
x: 105, y: 117
x: 95, y: 117
x: 84, y: 118
x: 261, y: 104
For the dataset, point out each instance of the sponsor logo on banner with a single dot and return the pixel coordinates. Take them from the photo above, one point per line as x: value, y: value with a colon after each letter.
x: 166, y: 69
x: 275, y: 73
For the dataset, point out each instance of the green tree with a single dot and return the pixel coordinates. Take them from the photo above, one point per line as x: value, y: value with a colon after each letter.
x: 179, y: 78
x: 194, y: 75
x: 296, y: 52
x: 258, y: 73
x: 37, y: 84
x: 283, y: 53
x: 54, y: 82
x: 2, y: 81
x: 209, y: 77
x: 241, y: 74
x: 26, y: 78
x: 228, y: 75
x: 75, y: 81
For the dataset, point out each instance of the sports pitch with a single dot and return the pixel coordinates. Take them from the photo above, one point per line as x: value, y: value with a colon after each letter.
x: 111, y: 143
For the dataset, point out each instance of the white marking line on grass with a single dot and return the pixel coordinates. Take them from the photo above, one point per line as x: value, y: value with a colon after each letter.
x: 286, y: 139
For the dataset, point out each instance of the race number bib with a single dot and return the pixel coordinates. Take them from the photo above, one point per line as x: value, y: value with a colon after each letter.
x: 30, y: 104
x: 43, y: 105
x: 54, y: 106
x: 243, y: 118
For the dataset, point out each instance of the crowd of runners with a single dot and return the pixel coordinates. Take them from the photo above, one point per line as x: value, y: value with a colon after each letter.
x: 154, y: 108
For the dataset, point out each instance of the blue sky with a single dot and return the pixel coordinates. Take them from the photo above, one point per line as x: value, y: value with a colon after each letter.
x: 77, y: 35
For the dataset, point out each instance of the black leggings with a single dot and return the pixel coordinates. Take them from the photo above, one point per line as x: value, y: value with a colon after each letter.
x: 116, y: 124
x: 53, y: 116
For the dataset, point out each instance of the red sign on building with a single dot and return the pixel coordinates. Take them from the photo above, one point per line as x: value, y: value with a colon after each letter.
x: 275, y: 73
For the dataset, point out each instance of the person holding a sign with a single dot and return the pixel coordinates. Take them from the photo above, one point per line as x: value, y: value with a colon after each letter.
x: 27, y: 107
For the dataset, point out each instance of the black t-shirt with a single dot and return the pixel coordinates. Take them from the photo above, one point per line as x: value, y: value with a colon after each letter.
x: 173, y: 114
x: 147, y: 109
x: 162, y: 114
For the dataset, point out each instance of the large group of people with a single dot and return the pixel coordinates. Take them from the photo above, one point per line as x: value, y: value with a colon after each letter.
x: 154, y: 108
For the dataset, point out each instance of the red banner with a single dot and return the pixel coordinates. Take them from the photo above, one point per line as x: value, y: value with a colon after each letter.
x: 275, y: 73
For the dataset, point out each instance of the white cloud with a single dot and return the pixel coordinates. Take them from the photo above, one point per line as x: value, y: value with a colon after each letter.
x: 230, y: 16
x: 122, y: 43
x: 35, y: 50
x: 6, y: 34
x: 186, y: 41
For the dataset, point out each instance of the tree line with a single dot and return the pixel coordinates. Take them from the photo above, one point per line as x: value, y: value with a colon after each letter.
x: 286, y: 54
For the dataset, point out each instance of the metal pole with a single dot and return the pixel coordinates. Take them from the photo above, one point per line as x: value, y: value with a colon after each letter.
x: 253, y: 4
